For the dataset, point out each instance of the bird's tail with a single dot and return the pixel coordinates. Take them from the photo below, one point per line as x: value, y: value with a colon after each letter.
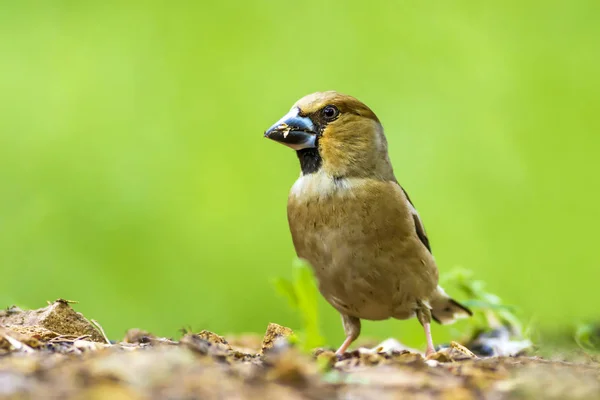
x: 445, y: 310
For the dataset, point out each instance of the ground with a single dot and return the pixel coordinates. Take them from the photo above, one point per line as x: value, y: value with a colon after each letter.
x: 54, y: 352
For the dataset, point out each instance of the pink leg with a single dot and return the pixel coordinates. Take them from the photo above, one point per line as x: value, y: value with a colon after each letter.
x: 345, y: 346
x: 424, y: 317
x: 352, y: 330
x: 430, y: 349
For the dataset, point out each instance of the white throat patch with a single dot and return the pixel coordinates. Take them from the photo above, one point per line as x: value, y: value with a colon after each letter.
x: 320, y: 184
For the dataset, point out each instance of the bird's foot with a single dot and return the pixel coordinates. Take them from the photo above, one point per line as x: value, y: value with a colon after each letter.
x: 429, y: 352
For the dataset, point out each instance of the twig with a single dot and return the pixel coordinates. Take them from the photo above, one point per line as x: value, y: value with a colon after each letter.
x: 18, y: 345
x: 99, y: 327
x: 64, y: 301
x: 68, y: 338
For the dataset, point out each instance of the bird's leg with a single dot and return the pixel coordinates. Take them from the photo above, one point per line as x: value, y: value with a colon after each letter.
x: 430, y: 348
x: 424, y: 317
x: 352, y: 330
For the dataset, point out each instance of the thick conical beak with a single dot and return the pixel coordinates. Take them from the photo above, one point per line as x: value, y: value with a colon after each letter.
x: 294, y: 131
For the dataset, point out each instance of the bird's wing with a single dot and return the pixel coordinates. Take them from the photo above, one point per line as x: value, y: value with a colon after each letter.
x: 420, y: 228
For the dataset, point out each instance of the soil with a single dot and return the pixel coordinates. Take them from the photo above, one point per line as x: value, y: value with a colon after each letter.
x: 54, y: 352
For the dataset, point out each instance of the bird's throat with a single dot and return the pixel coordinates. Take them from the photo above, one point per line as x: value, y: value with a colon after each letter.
x: 310, y: 160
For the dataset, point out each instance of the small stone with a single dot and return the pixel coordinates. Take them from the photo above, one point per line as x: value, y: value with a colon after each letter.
x: 138, y: 336
x: 456, y: 352
x: 326, y: 360
x: 459, y: 348
x: 214, y: 338
x: 273, y: 335
x: 57, y: 317
x: 432, y: 363
x: 407, y: 357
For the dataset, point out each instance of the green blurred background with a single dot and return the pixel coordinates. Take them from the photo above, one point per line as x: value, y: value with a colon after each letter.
x: 134, y: 176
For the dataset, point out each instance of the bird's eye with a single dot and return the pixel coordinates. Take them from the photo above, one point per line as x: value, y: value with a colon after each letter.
x: 330, y: 112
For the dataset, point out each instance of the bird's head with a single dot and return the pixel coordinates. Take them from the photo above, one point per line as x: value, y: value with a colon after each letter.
x: 336, y: 134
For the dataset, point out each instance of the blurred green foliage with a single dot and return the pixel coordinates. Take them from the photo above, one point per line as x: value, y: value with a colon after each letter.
x: 587, y: 337
x: 302, y: 296
x: 134, y: 176
x: 489, y: 311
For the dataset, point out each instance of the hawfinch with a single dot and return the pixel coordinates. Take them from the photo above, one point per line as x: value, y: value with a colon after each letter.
x: 353, y: 222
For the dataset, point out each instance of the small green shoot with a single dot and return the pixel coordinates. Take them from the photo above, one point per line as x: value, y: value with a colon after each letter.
x: 302, y: 295
x: 587, y: 338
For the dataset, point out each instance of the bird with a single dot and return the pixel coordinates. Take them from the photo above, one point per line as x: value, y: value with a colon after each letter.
x: 353, y: 222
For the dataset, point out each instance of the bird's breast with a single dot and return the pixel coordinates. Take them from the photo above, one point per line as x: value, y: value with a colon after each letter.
x: 359, y: 237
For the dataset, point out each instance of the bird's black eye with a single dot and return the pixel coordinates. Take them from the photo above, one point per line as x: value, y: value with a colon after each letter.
x: 330, y: 112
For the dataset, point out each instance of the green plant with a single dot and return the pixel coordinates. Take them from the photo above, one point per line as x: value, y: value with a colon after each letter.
x: 302, y: 295
x: 493, y: 312
x: 587, y: 337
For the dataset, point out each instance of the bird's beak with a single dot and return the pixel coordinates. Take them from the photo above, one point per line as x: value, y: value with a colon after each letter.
x: 294, y: 131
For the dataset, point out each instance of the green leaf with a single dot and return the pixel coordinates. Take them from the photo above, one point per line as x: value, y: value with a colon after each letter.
x: 584, y: 338
x: 286, y: 289
x: 302, y: 295
x: 307, y: 295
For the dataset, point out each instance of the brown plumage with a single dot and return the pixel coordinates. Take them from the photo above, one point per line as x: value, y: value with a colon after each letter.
x: 353, y: 222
